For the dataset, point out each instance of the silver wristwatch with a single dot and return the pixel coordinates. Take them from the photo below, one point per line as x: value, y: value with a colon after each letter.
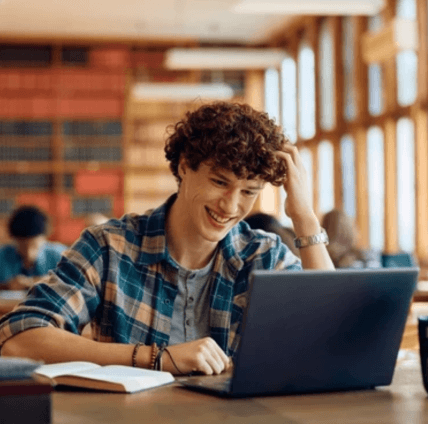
x: 304, y: 241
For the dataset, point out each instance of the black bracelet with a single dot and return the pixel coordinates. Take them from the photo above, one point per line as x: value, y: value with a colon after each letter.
x: 172, y: 360
x: 158, y: 360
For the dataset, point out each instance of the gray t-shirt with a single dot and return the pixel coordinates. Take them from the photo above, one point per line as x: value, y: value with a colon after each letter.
x: 190, y: 318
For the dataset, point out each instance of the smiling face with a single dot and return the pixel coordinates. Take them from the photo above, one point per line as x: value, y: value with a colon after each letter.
x: 212, y: 201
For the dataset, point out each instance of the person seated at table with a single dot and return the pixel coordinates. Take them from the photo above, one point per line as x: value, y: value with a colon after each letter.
x: 171, y: 285
x: 269, y: 223
x: 342, y: 246
x: 30, y: 255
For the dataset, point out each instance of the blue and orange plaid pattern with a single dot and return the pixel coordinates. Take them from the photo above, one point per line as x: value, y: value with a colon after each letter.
x: 120, y: 278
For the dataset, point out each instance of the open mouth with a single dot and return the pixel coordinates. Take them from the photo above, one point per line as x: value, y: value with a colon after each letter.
x: 218, y: 218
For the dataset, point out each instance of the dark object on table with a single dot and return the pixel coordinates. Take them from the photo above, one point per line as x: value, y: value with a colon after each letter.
x: 25, y: 401
x: 423, y: 348
x: 17, y: 368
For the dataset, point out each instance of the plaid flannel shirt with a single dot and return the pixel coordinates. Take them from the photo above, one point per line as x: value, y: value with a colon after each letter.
x: 120, y: 278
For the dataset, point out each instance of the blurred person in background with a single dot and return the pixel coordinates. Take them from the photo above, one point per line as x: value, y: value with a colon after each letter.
x: 30, y: 255
x: 270, y: 224
x: 342, y: 245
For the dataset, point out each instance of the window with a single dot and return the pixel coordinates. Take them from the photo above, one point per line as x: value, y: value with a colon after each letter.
x: 326, y: 56
x: 306, y: 91
x: 348, y: 69
x: 289, y: 98
x: 406, y: 184
x: 272, y: 93
x: 407, y: 60
x: 325, y: 177
x: 406, y: 9
x: 376, y: 187
x: 348, y: 175
x: 407, y: 69
x: 375, y: 89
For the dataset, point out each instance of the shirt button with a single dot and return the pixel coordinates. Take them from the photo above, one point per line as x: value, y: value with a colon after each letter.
x: 188, y: 321
x: 191, y: 299
x: 192, y: 276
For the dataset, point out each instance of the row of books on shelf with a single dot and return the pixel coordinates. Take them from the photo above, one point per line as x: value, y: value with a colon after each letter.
x: 64, y: 80
x: 67, y: 206
x: 26, y: 128
x: 96, y: 128
x: 80, y: 154
x: 10, y: 153
x: 85, y: 182
x: 70, y: 128
x: 26, y: 181
x: 49, y: 107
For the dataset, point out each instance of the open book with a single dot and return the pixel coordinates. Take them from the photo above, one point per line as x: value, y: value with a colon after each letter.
x: 114, y: 378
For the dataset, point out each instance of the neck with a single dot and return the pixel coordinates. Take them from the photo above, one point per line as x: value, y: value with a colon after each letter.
x: 186, y: 247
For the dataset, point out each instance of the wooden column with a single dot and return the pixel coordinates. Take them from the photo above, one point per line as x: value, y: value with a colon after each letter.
x: 338, y: 186
x: 422, y: 18
x: 391, y: 213
x: 362, y: 219
x: 315, y: 172
x: 254, y: 89
x: 254, y: 96
x: 421, y: 177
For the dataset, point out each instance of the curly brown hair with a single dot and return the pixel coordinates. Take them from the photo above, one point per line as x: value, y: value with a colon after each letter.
x: 230, y: 136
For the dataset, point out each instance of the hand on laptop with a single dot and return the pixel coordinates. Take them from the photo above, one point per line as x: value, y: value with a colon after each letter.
x: 203, y: 356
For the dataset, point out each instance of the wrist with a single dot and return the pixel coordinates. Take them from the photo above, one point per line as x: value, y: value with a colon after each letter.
x: 306, y: 226
x: 143, y: 356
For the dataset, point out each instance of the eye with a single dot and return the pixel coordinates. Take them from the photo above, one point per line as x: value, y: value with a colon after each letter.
x: 220, y: 183
x: 250, y: 193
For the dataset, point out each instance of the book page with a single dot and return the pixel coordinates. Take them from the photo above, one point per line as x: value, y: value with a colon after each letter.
x: 131, y: 378
x: 54, y: 370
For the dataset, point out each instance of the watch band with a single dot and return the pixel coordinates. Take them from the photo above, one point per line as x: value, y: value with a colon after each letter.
x: 319, y: 238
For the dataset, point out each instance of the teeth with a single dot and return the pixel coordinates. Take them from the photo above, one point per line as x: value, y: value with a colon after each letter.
x: 217, y: 217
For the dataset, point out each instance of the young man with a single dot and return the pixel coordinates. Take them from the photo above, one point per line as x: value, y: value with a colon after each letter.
x: 30, y: 255
x: 176, y: 276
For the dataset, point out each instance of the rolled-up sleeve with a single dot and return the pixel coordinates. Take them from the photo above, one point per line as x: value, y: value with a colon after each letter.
x: 66, y: 298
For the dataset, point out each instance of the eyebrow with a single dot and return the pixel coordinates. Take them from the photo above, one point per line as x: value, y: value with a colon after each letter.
x: 220, y: 175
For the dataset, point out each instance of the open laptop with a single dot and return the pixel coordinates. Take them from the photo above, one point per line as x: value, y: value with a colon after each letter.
x: 316, y: 331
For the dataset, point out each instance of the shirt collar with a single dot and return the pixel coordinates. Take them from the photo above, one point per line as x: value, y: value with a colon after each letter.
x: 153, y: 248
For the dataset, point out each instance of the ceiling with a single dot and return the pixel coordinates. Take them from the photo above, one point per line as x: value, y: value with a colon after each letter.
x: 199, y: 20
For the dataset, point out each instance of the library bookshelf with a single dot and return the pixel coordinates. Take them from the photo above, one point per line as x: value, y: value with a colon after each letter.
x: 61, y: 132
x: 72, y: 139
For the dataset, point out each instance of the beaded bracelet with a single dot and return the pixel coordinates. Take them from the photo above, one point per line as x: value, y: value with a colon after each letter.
x: 155, y: 350
x: 134, y: 354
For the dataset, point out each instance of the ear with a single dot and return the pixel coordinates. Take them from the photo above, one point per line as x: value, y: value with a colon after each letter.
x: 182, y: 167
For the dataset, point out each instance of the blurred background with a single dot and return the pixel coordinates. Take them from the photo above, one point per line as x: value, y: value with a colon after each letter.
x: 88, y: 89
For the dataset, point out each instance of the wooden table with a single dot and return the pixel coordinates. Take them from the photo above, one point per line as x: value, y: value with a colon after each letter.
x: 405, y: 401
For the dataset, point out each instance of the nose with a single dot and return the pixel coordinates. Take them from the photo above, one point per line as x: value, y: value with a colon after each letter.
x: 229, y: 203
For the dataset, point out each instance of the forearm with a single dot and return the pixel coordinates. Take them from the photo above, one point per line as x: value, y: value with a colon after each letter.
x: 55, y: 345
x: 315, y: 256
